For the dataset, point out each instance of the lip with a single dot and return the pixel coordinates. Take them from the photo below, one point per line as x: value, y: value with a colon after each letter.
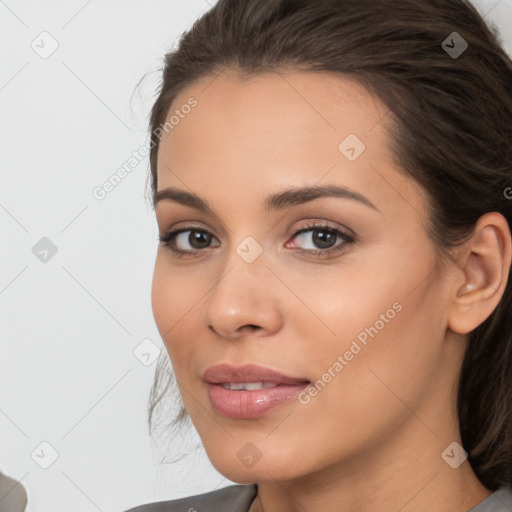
x: 247, y: 404
x: 247, y: 373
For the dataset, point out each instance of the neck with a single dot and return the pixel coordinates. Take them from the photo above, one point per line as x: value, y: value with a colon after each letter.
x: 405, y: 474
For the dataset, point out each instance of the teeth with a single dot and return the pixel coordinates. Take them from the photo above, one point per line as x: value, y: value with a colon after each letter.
x: 253, y: 385
x: 234, y: 386
x: 249, y: 386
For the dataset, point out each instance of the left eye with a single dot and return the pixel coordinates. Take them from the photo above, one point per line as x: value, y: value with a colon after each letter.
x: 322, y: 239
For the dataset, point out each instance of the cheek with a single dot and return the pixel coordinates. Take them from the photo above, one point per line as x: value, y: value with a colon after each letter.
x: 161, y: 301
x: 172, y: 299
x: 388, y: 343
x: 338, y: 304
x: 385, y: 316
x: 177, y: 299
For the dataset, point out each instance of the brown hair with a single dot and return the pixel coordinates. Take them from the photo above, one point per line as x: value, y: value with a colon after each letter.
x: 452, y: 133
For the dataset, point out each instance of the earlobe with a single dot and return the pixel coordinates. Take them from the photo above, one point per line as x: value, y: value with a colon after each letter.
x: 485, y: 265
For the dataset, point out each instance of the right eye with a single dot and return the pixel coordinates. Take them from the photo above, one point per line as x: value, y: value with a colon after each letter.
x: 199, y: 239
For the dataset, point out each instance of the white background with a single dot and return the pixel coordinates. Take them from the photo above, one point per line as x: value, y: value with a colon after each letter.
x: 68, y: 327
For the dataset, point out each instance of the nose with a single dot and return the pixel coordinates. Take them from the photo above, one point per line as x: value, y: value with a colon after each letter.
x: 244, y: 300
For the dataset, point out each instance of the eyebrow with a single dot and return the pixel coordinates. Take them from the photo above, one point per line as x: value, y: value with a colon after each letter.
x: 290, y: 197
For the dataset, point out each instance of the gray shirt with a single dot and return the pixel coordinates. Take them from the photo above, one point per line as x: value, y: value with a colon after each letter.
x: 13, y: 497
x: 238, y: 498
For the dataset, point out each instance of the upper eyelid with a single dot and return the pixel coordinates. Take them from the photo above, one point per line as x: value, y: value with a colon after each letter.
x: 309, y: 225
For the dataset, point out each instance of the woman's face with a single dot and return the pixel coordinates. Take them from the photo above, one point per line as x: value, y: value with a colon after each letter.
x: 356, y: 305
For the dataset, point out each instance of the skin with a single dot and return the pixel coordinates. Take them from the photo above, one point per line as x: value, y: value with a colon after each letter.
x: 372, y: 439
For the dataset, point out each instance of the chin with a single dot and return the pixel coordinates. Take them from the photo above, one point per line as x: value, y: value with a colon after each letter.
x: 267, y: 468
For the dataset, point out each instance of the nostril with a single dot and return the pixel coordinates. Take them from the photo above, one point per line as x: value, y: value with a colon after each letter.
x: 252, y: 327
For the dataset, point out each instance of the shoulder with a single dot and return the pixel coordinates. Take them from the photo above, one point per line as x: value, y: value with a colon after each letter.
x: 12, y: 494
x: 234, y: 498
x: 498, y: 501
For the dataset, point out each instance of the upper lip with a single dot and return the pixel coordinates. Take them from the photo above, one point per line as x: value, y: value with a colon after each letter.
x: 226, y: 373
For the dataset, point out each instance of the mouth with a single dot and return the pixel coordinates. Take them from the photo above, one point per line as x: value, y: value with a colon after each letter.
x: 249, y: 391
x: 248, y: 386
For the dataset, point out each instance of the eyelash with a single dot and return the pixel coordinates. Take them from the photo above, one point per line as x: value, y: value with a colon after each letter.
x: 168, y: 240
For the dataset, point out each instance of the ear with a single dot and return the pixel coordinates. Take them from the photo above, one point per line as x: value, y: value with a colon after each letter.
x: 484, y: 265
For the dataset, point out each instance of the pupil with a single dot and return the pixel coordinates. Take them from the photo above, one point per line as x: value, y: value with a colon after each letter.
x: 320, y: 240
x: 195, y: 236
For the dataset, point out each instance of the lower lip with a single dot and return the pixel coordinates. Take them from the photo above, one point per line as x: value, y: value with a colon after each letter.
x: 250, y: 403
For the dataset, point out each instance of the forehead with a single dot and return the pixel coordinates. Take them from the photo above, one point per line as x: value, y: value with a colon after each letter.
x: 308, y: 106
x: 281, y: 129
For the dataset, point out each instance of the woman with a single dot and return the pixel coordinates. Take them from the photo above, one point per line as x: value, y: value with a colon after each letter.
x: 332, y: 184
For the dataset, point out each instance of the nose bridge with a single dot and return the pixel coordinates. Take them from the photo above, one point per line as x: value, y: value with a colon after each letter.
x: 243, y: 293
x: 243, y: 273
x: 247, y: 257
